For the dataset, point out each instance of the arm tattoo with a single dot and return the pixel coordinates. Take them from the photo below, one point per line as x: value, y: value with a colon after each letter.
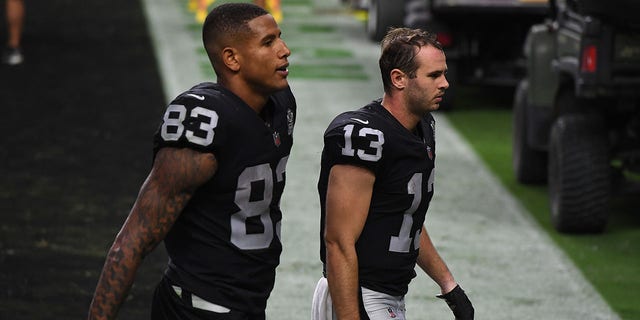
x: 175, y: 176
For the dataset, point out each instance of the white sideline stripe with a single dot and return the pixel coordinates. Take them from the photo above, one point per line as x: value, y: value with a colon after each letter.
x: 176, y: 49
x: 507, y: 264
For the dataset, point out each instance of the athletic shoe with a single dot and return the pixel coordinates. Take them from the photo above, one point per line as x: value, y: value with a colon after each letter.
x: 12, y: 56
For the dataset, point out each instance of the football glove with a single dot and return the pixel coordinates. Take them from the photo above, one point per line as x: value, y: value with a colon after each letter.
x: 458, y: 303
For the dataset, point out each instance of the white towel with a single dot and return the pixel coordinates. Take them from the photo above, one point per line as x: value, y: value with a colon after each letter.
x: 321, y: 307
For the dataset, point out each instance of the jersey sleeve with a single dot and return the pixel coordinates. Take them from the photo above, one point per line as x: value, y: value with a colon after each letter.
x: 189, y: 123
x: 355, y: 143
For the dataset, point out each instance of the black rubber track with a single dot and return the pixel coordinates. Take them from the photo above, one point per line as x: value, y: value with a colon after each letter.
x: 77, y: 120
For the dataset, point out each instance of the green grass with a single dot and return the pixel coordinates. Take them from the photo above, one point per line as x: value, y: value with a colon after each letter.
x: 321, y: 53
x: 328, y: 71
x: 610, y: 261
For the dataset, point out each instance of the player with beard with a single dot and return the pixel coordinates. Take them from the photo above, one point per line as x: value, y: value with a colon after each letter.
x: 213, y: 193
x: 376, y: 182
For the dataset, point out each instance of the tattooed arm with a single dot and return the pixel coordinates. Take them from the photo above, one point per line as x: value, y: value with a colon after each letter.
x: 175, y: 176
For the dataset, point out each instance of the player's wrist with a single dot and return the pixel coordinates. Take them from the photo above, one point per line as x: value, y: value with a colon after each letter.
x: 459, y: 303
x: 447, y: 287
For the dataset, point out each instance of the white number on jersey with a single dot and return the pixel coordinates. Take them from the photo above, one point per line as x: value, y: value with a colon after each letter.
x: 175, y: 115
x: 239, y: 235
x: 402, y: 242
x: 362, y: 154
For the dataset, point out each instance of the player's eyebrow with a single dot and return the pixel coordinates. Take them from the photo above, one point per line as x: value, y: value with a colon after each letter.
x: 270, y: 37
x: 437, y: 73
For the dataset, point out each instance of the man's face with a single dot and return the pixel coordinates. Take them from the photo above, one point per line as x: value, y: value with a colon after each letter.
x: 425, y: 91
x: 264, y: 56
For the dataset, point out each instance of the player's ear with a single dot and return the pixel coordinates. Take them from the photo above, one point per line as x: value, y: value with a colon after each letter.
x: 230, y: 58
x: 398, y: 79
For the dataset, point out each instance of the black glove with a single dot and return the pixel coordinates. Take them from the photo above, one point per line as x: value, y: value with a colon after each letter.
x: 459, y: 303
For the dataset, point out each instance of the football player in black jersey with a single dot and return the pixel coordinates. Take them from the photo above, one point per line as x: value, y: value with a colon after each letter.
x: 213, y: 193
x: 376, y: 182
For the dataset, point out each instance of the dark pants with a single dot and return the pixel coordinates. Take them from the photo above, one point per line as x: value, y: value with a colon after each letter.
x: 167, y: 305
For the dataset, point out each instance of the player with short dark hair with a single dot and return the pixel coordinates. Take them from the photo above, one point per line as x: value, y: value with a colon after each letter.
x: 213, y: 194
x: 376, y: 182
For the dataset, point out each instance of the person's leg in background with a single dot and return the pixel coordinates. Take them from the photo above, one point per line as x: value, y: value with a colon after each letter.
x: 200, y: 8
x: 15, y: 23
x: 273, y: 6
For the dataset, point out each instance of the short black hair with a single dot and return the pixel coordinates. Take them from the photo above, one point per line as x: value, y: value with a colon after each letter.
x: 399, y: 48
x: 227, y: 22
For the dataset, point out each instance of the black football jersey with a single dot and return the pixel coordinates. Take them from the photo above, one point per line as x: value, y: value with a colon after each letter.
x: 403, y: 163
x: 225, y: 245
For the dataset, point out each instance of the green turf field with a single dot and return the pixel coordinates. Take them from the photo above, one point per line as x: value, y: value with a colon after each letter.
x: 610, y: 260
